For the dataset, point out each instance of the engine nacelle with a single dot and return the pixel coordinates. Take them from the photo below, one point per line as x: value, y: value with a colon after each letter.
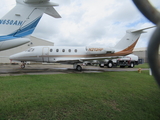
x: 13, y: 43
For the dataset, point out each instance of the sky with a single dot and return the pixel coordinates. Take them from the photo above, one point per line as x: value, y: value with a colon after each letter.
x: 90, y: 22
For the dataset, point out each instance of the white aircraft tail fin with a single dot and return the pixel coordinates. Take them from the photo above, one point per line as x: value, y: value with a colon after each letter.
x: 24, y: 17
x: 128, y: 42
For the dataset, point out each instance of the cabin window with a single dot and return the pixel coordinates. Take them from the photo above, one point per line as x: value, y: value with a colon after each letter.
x: 30, y: 50
x: 63, y: 50
x: 75, y: 50
x: 69, y: 50
x: 51, y: 50
x: 57, y: 50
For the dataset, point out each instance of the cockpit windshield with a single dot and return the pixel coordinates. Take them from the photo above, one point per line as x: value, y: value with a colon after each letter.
x: 30, y: 50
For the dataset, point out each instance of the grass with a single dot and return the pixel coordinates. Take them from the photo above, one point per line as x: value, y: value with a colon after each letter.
x: 85, y: 96
x: 144, y: 65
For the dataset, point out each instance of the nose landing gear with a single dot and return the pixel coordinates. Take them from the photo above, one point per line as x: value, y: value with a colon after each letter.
x: 23, y: 65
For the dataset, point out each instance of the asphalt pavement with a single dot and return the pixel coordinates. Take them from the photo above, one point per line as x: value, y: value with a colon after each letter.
x: 39, y: 69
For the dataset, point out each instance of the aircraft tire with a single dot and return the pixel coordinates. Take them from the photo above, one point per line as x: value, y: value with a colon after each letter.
x: 79, y: 68
x: 22, y: 66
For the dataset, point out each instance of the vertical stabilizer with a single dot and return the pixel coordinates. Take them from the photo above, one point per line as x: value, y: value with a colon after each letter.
x: 23, y: 19
x: 128, y: 42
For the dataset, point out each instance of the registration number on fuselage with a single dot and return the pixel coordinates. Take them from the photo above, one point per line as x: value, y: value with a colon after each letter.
x: 95, y: 49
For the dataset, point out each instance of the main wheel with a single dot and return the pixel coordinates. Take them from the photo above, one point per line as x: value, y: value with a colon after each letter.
x: 79, y: 68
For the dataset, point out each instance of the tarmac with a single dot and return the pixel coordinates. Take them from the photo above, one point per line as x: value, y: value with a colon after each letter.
x: 42, y: 69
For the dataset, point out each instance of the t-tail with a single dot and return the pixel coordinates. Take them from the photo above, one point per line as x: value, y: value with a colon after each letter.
x: 19, y: 23
x: 128, y: 42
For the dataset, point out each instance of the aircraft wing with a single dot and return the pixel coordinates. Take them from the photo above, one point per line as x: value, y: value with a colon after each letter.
x: 68, y: 60
x: 80, y: 60
x: 49, y: 10
x: 52, y: 12
x: 98, y: 58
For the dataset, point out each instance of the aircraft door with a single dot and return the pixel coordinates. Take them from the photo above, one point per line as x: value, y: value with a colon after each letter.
x: 45, y: 54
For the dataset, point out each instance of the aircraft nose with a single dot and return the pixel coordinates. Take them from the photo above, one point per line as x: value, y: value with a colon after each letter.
x: 14, y: 57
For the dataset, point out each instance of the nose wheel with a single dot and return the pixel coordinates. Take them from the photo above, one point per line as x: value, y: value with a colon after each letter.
x: 23, y: 65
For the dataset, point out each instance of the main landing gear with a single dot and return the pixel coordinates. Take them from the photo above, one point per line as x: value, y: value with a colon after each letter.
x: 77, y: 67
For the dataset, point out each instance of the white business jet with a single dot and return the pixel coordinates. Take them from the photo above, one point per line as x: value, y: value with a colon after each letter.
x: 19, y: 23
x: 77, y: 55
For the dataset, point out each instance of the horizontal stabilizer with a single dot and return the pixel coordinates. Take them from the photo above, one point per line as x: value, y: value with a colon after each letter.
x: 142, y: 29
x: 39, y: 3
x: 45, y: 3
x: 35, y: 1
x: 52, y: 12
x: 128, y: 42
